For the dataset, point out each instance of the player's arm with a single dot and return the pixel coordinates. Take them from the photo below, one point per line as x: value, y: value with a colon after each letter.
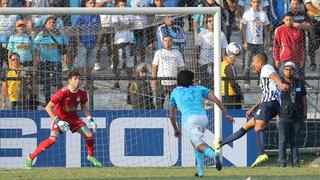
x: 277, y: 79
x: 86, y: 112
x: 85, y: 109
x: 253, y: 108
x: 213, y: 98
x: 49, y: 109
x: 172, y: 117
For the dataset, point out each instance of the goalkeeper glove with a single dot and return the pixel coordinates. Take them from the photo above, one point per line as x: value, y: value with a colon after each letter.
x: 92, y: 123
x: 63, y: 125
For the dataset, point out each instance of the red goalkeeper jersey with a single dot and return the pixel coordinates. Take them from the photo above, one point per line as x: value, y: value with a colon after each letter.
x: 67, y: 102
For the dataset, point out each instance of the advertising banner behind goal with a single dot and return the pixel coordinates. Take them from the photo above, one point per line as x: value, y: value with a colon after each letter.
x: 123, y: 139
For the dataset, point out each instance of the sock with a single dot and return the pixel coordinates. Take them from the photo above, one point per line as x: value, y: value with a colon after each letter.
x: 260, y: 141
x: 90, y: 146
x: 42, y: 147
x: 209, y: 152
x: 238, y: 134
x: 199, y: 161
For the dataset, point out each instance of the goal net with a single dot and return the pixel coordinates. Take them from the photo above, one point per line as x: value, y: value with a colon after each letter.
x: 116, y: 50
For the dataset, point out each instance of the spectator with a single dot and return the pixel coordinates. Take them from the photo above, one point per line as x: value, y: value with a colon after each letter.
x: 293, y: 112
x: 313, y: 10
x: 254, y: 31
x: 39, y: 25
x: 7, y: 28
x: 166, y: 63
x: 199, y: 20
x: 244, y: 5
x: 301, y: 21
x: 300, y: 17
x: 189, y: 3
x: 206, y: 44
x: 175, y: 31
x: 73, y: 40
x: 52, y: 52
x: 17, y: 3
x: 38, y: 3
x: 123, y: 44
x: 231, y: 91
x: 140, y: 89
x: 230, y: 13
x: 289, y: 45
x: 23, y: 44
x: 278, y: 9
x: 87, y: 50
x: 142, y: 34
x: 12, y: 87
x: 106, y: 35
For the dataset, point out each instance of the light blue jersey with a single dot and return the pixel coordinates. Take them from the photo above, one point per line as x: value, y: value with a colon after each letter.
x: 23, y: 45
x: 189, y: 100
x: 48, y: 48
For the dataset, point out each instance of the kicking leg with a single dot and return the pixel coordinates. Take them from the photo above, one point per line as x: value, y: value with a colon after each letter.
x: 238, y: 134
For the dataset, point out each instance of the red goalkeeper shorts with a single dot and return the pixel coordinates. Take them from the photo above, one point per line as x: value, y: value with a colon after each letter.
x: 74, y: 123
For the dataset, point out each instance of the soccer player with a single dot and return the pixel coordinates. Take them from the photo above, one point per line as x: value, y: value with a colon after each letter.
x: 189, y: 99
x: 269, y: 104
x: 64, y: 117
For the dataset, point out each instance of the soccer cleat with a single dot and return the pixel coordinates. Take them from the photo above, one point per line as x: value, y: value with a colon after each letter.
x: 28, y: 163
x: 217, y: 145
x: 260, y: 159
x: 218, y: 163
x: 94, y: 161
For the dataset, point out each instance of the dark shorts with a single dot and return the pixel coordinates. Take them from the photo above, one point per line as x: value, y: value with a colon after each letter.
x: 267, y: 111
x: 74, y: 123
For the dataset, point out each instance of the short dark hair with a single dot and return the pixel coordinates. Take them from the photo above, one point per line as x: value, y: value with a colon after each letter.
x: 262, y: 57
x: 72, y: 74
x: 289, y: 14
x: 185, y: 78
x: 118, y: 1
x: 14, y: 54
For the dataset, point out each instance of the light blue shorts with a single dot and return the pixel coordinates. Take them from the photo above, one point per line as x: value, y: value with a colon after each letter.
x: 195, y: 126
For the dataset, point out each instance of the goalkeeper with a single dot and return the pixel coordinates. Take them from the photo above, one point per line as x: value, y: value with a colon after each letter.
x: 189, y: 100
x: 64, y: 117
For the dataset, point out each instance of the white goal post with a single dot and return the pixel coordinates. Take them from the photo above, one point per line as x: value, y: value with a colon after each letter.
x: 216, y: 11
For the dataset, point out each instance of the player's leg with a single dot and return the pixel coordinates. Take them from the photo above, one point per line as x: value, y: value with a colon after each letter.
x: 199, y: 163
x: 54, y: 134
x: 196, y: 125
x: 238, y: 134
x: 85, y: 131
x: 268, y: 111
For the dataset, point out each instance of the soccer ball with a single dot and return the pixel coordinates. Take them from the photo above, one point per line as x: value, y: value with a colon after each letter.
x: 233, y: 49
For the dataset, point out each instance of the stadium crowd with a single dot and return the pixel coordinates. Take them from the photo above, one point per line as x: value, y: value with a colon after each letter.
x: 290, y: 28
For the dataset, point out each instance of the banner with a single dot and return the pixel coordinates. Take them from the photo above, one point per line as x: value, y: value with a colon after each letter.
x: 125, y: 138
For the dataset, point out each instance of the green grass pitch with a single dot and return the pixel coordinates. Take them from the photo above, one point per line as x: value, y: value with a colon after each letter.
x: 303, y: 173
